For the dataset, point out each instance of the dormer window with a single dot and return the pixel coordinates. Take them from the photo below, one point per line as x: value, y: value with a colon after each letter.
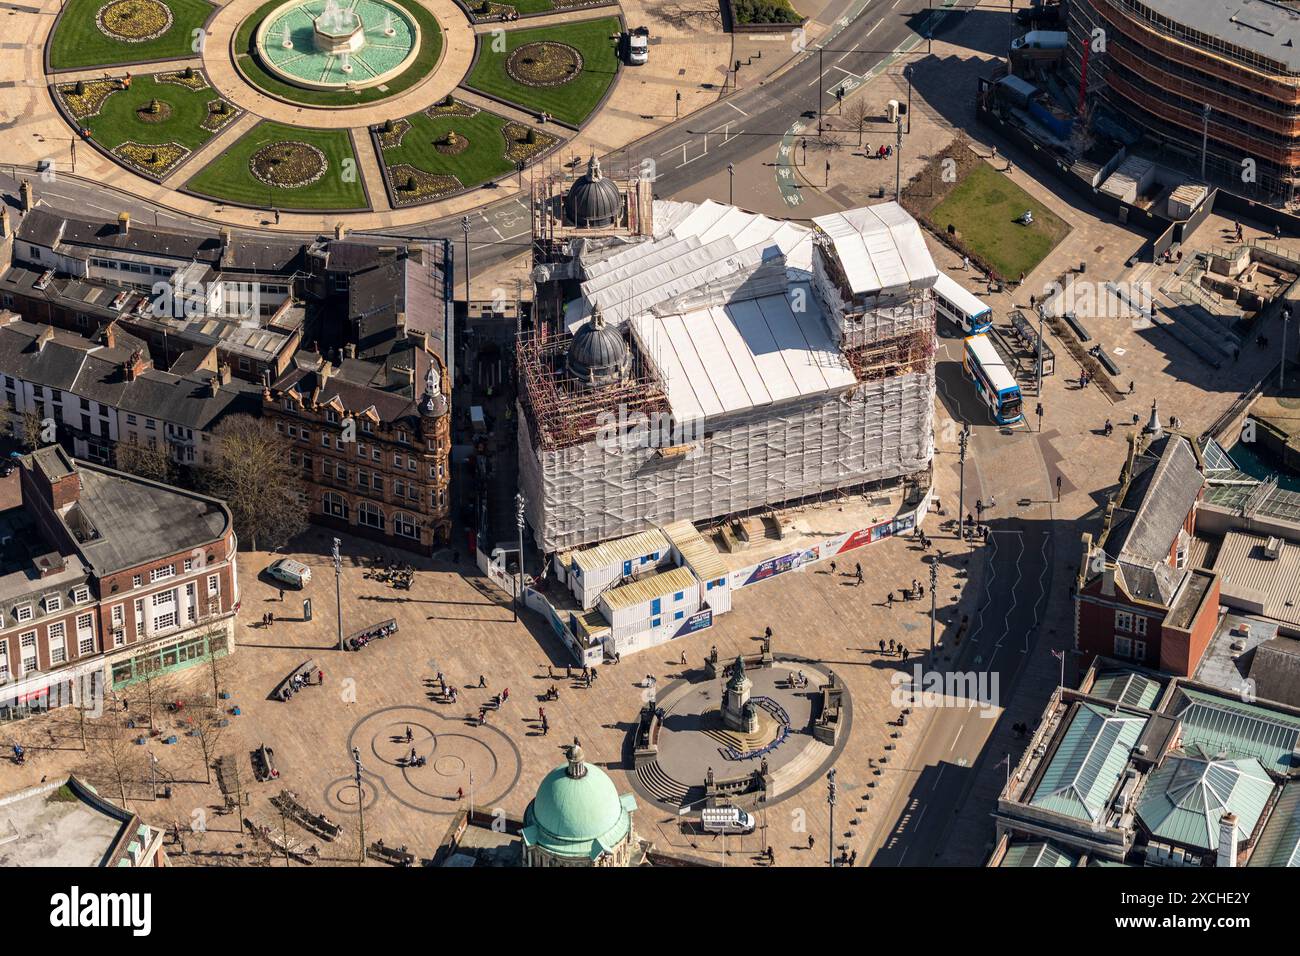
x: 23, y: 612
x: 53, y: 602
x: 331, y: 416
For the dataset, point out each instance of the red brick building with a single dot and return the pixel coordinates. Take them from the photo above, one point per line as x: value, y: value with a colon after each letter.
x: 373, y: 443
x: 104, y: 576
x: 1137, y: 595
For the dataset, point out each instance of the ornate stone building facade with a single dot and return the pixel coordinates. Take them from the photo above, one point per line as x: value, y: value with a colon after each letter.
x: 374, y: 454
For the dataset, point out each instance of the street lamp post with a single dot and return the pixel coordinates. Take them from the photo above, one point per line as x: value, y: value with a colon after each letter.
x: 731, y: 184
x: 1281, y: 369
x: 898, y: 157
x: 464, y: 227
x: 1041, y: 310
x: 1205, y: 136
x: 821, y: 79
x: 338, y: 595
x: 962, y: 441
x: 830, y: 802
x: 934, y: 588
x: 361, y: 802
x: 519, y: 521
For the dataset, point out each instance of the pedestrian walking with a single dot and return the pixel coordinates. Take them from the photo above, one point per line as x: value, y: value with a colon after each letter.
x: 320, y: 677
x: 891, y: 646
x: 460, y: 793
x: 903, y: 651
x: 481, y: 681
x: 859, y: 577
x: 505, y: 695
x: 965, y: 263
x: 409, y: 736
x: 270, y: 617
x: 832, y: 567
x: 889, y: 600
x: 882, y: 645
x: 541, y: 713
x: 811, y: 841
x: 683, y: 657
x: 281, y: 595
x: 767, y: 632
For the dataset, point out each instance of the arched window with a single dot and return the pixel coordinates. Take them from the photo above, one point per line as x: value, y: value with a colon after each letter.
x: 404, y: 525
x: 370, y: 515
x: 334, y: 504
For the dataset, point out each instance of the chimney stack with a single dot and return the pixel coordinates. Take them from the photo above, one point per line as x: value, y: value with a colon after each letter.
x: 4, y: 222
x: 134, y: 365
x: 26, y: 202
x: 340, y: 230
x: 123, y: 223
x: 227, y: 247
x: 1227, y: 840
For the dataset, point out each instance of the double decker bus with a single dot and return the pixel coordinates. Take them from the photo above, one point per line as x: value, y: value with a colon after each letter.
x: 960, y: 307
x: 993, y: 380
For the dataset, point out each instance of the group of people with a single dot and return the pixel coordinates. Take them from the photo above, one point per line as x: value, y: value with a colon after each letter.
x: 797, y: 679
x: 884, y: 152
x: 297, y: 682
x: 895, y: 647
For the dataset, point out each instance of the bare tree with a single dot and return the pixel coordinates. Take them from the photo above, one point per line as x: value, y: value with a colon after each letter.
x: 208, y: 731
x: 218, y: 664
x: 253, y: 476
x: 27, y: 429
x: 145, y: 462
x: 116, y: 761
x: 156, y: 683
x: 859, y: 116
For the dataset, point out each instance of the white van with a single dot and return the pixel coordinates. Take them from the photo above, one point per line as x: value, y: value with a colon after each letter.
x: 726, y: 820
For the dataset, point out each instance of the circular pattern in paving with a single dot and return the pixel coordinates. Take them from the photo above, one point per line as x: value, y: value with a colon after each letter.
x: 545, y: 63
x: 288, y: 164
x: 457, y: 756
x: 133, y: 21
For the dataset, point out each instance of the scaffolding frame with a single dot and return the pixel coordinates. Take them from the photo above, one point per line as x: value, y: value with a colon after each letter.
x: 561, y: 410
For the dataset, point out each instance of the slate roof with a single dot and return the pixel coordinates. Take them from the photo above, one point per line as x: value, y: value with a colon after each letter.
x: 141, y: 520
x: 1162, y: 489
x: 1275, y: 669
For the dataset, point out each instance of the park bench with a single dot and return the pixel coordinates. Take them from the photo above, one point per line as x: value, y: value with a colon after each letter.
x: 389, y: 855
x: 316, y: 823
x: 354, y: 641
x: 284, y: 690
x: 264, y: 764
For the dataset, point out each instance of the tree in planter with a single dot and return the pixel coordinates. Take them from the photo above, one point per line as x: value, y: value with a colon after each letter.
x: 208, y: 732
x: 253, y: 476
x: 145, y: 462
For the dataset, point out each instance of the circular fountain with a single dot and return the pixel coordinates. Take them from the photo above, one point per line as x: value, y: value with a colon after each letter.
x: 337, y: 44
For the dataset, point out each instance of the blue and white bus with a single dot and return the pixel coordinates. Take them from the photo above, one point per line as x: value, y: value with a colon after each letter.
x: 959, y: 307
x: 993, y: 380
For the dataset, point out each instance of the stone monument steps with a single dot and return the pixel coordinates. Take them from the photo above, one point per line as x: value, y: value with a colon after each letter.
x: 800, y: 767
x: 663, y: 787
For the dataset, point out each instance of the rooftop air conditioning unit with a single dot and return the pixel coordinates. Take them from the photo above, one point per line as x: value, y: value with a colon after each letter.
x: 1273, y: 548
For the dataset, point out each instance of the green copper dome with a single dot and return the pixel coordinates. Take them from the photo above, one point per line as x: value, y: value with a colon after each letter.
x: 577, y: 811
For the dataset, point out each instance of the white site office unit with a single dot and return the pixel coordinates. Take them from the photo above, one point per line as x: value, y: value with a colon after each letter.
x: 590, y: 571
x: 692, y: 550
x: 649, y: 611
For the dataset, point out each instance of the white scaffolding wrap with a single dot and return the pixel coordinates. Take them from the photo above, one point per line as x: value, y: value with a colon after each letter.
x: 880, y: 248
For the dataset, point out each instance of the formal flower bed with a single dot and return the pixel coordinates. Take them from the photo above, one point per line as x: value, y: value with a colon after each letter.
x: 454, y: 108
x: 84, y: 98
x: 133, y: 21
x: 391, y: 133
x: 155, y: 111
x: 189, y: 78
x: 288, y: 164
x: 453, y: 144
x: 220, y: 115
x: 518, y: 147
x: 411, y: 185
x: 150, y: 159
x: 544, y: 63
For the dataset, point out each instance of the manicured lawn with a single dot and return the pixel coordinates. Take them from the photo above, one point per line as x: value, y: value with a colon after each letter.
x: 571, y: 102
x: 229, y: 178
x: 423, y: 148
x: 427, y: 58
x: 124, y: 118
x: 984, y: 207
x: 78, y: 42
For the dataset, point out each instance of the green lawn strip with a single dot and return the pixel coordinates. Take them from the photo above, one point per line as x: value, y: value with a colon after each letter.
x: 571, y: 102
x: 229, y: 178
x: 983, y: 208
x: 483, y: 158
x: 79, y: 43
x: 118, y: 121
x: 425, y: 60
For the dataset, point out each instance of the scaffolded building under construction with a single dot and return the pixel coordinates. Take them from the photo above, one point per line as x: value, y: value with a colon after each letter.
x: 727, y: 363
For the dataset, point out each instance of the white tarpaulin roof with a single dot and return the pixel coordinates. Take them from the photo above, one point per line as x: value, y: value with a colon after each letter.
x: 710, y: 245
x: 722, y: 359
x: 880, y: 249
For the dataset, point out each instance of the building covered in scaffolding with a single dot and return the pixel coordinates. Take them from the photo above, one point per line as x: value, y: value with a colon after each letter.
x: 694, y: 361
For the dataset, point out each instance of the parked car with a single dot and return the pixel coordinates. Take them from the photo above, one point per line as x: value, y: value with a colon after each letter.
x: 290, y: 572
x: 1041, y: 14
x: 638, y: 46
